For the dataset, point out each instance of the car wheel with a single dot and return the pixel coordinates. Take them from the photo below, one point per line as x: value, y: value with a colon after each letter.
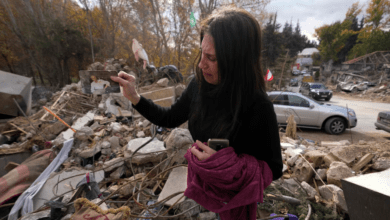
x: 335, y: 126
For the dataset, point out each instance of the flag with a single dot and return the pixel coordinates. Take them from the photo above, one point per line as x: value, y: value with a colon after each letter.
x: 268, y: 76
x: 192, y: 19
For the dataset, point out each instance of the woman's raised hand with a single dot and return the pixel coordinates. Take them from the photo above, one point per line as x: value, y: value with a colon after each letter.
x: 128, y: 84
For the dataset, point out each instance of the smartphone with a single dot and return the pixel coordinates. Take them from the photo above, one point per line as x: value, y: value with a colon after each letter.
x: 218, y: 144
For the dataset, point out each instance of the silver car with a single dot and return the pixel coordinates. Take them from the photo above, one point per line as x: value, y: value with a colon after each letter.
x: 309, y: 113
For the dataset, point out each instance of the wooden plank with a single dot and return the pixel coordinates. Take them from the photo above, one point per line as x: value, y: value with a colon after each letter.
x: 387, y: 61
x: 53, y: 106
x: 10, y: 131
x: 363, y: 162
x: 18, y: 128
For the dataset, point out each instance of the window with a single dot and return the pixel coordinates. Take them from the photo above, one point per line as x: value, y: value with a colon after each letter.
x: 279, y: 99
x: 298, y: 101
x: 317, y: 86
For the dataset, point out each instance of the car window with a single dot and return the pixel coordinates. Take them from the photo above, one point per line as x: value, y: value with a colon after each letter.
x: 279, y: 99
x: 298, y: 101
x: 317, y: 86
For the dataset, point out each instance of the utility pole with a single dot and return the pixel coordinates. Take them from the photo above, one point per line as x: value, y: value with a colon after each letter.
x: 281, y: 75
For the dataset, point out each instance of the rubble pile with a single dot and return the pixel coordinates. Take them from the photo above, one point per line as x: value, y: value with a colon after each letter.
x: 379, y: 93
x: 312, y: 171
x: 111, y: 161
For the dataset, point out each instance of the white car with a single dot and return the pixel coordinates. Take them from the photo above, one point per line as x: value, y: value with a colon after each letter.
x: 309, y: 113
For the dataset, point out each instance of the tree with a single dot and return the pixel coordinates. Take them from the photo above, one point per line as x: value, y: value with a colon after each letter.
x: 271, y: 40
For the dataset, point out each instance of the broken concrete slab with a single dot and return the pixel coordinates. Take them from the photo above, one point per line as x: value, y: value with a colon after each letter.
x: 329, y: 158
x: 70, y: 177
x: 151, y: 152
x: 334, y: 143
x: 347, y: 154
x: 327, y: 192
x: 291, y: 185
x: 177, y: 181
x: 363, y: 162
x: 290, y: 152
x: 114, y: 163
x: 13, y: 86
x: 338, y: 171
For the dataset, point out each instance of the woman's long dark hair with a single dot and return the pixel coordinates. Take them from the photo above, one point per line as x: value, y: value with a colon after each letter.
x: 237, y: 41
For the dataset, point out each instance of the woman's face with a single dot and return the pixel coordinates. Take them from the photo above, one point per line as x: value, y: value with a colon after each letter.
x: 208, y: 62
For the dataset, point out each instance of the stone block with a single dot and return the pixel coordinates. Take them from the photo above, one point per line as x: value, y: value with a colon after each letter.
x: 327, y: 192
x: 291, y: 161
x: 338, y: 171
x: 347, y: 154
x: 177, y: 181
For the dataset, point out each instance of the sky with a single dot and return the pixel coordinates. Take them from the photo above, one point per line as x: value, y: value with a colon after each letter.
x: 311, y: 13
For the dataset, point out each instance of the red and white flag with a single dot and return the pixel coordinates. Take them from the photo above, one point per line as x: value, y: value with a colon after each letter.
x: 269, y: 76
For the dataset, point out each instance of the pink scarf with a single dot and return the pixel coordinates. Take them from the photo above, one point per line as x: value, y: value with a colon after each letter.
x: 227, y: 184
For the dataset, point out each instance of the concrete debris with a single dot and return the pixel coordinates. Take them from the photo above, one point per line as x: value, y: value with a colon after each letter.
x: 109, y: 131
x: 338, y: 171
x: 333, y: 193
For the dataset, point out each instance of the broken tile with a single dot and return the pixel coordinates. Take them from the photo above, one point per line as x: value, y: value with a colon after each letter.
x: 177, y: 181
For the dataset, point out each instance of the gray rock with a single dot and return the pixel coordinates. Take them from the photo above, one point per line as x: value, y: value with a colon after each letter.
x: 322, y: 173
x: 179, y: 140
x: 84, y: 133
x: 292, y: 185
x: 90, y: 151
x: 118, y: 172
x: 207, y: 216
x: 338, y: 171
x: 106, y: 151
x: 89, y: 167
x: 95, y: 125
x: 382, y: 163
x: 112, y: 164
x: 116, y: 127
x: 106, y: 144
x: 114, y: 140
x: 42, y: 101
x: 309, y: 189
x: 327, y: 192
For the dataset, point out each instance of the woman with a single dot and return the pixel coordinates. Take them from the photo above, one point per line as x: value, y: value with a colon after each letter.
x: 226, y: 99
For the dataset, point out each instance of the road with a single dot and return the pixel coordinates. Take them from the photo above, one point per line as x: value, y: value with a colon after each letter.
x: 366, y: 112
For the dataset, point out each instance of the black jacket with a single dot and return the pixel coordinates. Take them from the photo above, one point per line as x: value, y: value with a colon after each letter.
x: 258, y: 134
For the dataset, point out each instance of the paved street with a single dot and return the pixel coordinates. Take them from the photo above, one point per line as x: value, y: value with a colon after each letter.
x: 366, y: 112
